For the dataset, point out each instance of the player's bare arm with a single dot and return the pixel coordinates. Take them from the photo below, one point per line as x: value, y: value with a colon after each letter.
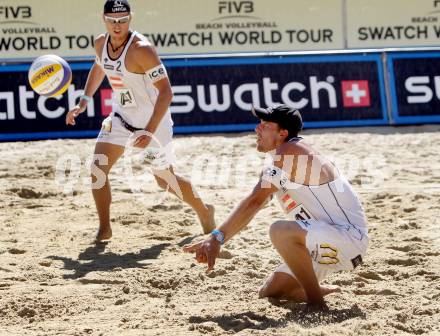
x: 147, y: 61
x: 207, y: 251
x: 94, y: 80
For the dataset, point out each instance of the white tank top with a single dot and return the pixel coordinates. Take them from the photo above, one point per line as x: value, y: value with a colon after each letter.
x: 134, y: 95
x: 335, y: 203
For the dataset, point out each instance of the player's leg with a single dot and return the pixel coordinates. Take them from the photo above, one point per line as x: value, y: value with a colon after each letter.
x: 289, y: 239
x: 183, y: 189
x: 105, y: 156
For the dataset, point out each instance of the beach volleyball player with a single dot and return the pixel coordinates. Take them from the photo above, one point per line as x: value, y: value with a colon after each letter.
x: 140, y: 117
x: 325, y: 230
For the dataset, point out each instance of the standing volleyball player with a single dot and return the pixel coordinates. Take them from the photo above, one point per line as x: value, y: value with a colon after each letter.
x: 325, y: 230
x: 141, y: 116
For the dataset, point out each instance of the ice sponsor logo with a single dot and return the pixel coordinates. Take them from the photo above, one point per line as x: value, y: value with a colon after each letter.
x: 314, y: 94
x: 420, y: 89
x: 154, y: 74
x: 157, y: 73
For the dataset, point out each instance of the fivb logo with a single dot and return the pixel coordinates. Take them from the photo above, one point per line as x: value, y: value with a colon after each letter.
x: 235, y: 7
x: 11, y: 14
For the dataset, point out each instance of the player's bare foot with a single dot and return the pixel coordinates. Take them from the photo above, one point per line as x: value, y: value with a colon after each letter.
x: 326, y: 290
x: 103, y: 234
x: 208, y: 222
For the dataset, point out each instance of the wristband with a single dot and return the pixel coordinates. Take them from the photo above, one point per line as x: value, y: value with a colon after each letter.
x: 219, y: 236
x: 86, y: 98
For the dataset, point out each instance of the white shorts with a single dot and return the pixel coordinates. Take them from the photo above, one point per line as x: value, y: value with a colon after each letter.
x: 332, y: 248
x: 159, y: 149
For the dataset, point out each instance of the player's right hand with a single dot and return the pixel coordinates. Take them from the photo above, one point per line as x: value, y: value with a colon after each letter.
x: 206, y: 251
x: 73, y: 113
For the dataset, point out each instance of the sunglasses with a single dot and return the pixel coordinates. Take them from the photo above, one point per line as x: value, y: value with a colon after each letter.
x: 120, y: 20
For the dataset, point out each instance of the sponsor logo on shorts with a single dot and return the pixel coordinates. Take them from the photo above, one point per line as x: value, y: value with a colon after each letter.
x: 329, y: 254
x: 356, y: 261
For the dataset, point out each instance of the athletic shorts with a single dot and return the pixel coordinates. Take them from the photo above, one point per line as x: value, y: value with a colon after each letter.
x: 160, y: 150
x: 332, y: 247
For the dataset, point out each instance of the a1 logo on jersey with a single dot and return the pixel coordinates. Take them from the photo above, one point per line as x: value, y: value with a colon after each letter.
x: 125, y: 97
x: 356, y: 93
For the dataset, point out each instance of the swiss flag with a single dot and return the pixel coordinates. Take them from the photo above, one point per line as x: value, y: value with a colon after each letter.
x: 106, y: 102
x: 356, y: 93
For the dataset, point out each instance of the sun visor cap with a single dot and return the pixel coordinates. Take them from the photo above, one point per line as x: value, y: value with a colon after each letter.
x: 286, y: 117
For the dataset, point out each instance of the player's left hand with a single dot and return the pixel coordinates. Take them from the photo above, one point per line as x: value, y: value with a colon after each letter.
x: 142, y: 141
x: 207, y: 251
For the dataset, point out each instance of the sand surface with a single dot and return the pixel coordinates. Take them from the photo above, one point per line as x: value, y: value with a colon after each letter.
x: 54, y: 281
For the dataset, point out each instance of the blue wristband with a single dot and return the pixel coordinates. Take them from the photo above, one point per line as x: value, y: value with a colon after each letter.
x: 86, y: 98
x: 219, y: 236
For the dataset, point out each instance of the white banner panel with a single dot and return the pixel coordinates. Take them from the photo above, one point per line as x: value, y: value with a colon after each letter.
x: 30, y: 28
x: 393, y: 23
x: 241, y: 26
x: 36, y: 27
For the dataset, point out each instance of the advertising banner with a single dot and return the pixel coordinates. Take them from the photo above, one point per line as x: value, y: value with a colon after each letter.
x: 31, y: 28
x: 393, y: 23
x: 415, y: 87
x: 329, y: 90
x: 213, y: 95
x: 212, y: 26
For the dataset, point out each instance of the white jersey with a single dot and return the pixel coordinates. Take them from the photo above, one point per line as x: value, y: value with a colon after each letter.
x: 335, y: 203
x: 134, y: 95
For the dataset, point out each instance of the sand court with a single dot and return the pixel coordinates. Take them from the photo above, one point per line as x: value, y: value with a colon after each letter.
x: 54, y: 281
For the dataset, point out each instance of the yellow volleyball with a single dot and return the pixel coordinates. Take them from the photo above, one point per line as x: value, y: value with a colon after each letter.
x: 50, y: 75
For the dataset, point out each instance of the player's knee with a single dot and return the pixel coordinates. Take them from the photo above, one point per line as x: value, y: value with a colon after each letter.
x: 98, y: 172
x: 285, y: 230
x: 277, y: 229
